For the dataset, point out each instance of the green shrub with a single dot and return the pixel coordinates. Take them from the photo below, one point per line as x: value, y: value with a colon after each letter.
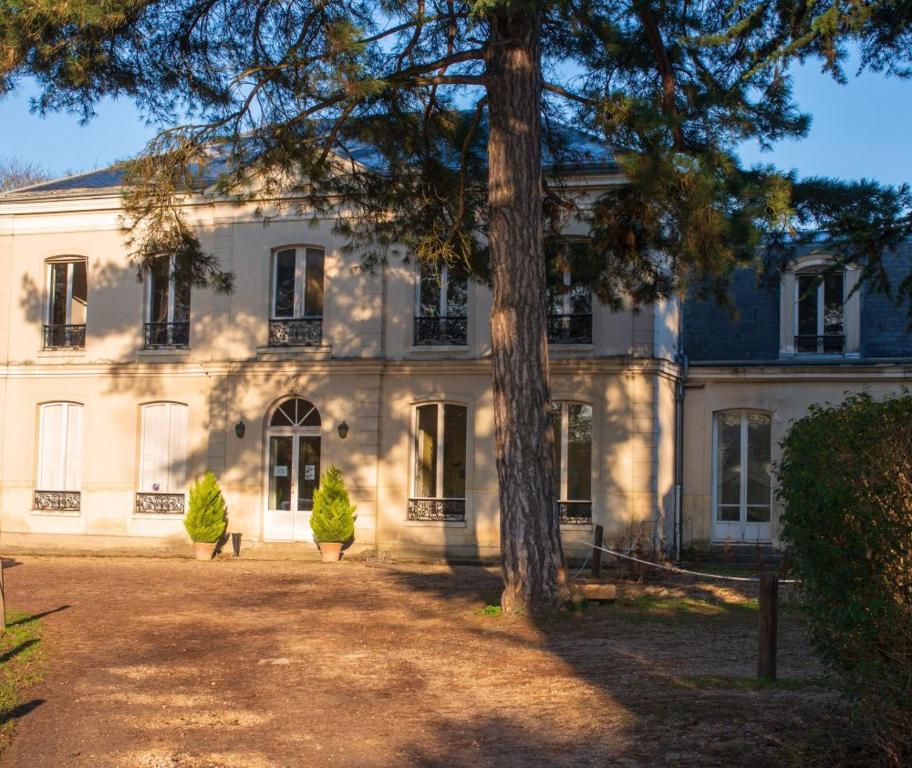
x: 207, y: 516
x: 846, y: 481
x: 333, y: 516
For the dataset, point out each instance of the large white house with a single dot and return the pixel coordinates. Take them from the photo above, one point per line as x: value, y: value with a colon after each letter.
x: 116, y: 392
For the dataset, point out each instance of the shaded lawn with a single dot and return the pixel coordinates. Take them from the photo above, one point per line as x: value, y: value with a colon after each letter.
x: 21, y: 665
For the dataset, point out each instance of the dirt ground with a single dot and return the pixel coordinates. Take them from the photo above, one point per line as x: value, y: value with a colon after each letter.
x: 242, y: 664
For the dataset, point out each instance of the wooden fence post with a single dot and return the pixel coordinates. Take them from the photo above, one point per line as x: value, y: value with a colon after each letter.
x: 769, y: 625
x: 596, y: 552
x: 2, y: 597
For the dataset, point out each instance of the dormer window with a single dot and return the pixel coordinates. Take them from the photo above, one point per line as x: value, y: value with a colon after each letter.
x: 820, y: 312
x: 819, y: 308
x: 67, y: 293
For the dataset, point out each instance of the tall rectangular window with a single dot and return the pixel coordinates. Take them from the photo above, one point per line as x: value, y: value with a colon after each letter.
x: 742, y: 469
x: 572, y: 425
x: 820, y: 312
x: 163, y: 454
x: 297, y: 297
x: 67, y: 304
x: 167, y: 305
x: 569, y: 310
x: 439, y: 485
x: 59, y: 457
x: 442, y: 304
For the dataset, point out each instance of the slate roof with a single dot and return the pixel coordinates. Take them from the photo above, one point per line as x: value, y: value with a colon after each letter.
x: 582, y: 152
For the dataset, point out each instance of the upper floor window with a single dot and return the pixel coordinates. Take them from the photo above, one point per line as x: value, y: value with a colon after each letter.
x: 442, y: 304
x: 569, y: 310
x: 67, y: 292
x: 297, y: 297
x: 820, y: 308
x: 820, y: 312
x: 163, y: 458
x: 167, y: 305
x: 439, y: 479
x: 572, y: 425
x: 59, y: 457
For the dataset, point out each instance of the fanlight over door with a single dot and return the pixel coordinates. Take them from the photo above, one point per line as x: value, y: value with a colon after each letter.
x: 293, y: 463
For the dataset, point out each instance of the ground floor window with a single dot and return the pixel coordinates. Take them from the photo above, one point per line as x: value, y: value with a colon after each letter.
x: 572, y: 424
x: 742, y: 472
x: 163, y: 458
x: 59, y: 457
x: 439, y: 478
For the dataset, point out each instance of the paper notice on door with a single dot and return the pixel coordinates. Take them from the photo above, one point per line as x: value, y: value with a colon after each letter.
x: 281, y: 471
x: 310, y: 471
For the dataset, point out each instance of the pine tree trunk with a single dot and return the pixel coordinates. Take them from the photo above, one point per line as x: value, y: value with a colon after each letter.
x: 529, y: 525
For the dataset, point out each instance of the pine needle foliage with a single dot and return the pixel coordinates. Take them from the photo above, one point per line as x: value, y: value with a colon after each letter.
x: 333, y: 515
x: 207, y: 515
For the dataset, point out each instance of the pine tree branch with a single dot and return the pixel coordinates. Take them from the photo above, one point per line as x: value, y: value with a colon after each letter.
x: 569, y: 94
x: 666, y: 70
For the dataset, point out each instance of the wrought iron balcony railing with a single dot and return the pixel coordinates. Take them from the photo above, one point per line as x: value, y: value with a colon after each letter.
x: 57, y: 501
x: 58, y: 336
x: 575, y: 512
x: 297, y: 332
x: 570, y: 329
x: 160, y: 503
x: 443, y: 331
x: 824, y: 344
x: 437, y: 510
x: 156, y: 335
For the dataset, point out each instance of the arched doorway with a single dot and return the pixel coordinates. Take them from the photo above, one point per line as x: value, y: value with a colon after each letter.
x: 293, y: 469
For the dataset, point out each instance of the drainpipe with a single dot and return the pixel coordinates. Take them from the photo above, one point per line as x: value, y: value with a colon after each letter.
x: 681, y: 360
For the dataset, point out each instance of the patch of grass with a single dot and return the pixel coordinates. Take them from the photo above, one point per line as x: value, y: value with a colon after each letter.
x: 655, y: 608
x: 728, y: 683
x: 21, y: 666
x: 489, y: 610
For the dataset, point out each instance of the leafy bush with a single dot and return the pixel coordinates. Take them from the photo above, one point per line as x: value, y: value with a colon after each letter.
x: 333, y: 516
x: 207, y: 517
x: 846, y: 481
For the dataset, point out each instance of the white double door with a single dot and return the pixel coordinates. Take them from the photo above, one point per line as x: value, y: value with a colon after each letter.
x: 293, y: 463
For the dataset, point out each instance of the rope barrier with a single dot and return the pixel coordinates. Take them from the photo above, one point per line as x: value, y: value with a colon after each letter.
x: 672, y: 568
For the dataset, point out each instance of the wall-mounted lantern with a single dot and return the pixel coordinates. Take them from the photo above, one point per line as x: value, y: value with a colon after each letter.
x: 240, y: 428
x: 343, y: 430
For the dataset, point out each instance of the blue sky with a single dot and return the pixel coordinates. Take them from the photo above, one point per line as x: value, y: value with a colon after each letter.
x: 863, y: 129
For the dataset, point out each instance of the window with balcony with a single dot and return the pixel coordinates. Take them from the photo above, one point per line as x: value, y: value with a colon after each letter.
x: 297, y: 297
x: 442, y: 307
x: 572, y: 425
x: 439, y: 478
x: 67, y: 292
x: 167, y: 306
x: 820, y: 312
x: 569, y: 310
x: 163, y: 459
x: 59, y: 457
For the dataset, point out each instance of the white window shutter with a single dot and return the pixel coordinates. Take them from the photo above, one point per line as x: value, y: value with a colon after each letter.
x: 73, y: 468
x: 152, y: 422
x: 177, y: 448
x: 50, y: 472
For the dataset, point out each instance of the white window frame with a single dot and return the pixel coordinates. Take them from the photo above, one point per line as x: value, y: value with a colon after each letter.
x: 444, y: 273
x: 300, y: 282
x: 171, y: 480
x: 743, y: 506
x: 70, y: 261
x: 67, y: 419
x: 788, y: 306
x: 441, y: 413
x: 172, y: 294
x: 565, y: 447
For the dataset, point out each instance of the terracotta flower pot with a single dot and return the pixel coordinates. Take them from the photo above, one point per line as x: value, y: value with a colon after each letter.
x: 330, y: 551
x: 203, y: 550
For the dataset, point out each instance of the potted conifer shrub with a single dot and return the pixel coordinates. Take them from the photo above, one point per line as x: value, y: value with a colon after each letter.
x: 333, y: 518
x: 207, y: 516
